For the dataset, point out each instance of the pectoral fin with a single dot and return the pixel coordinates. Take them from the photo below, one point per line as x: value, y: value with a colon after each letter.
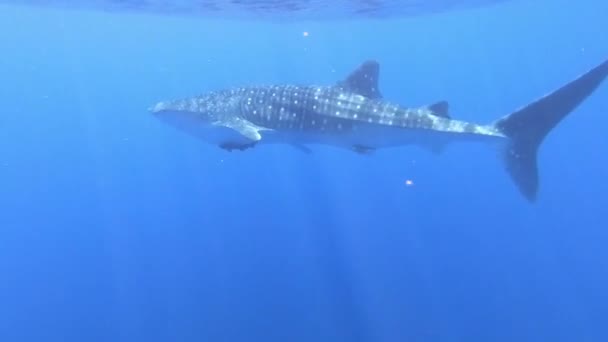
x: 248, y: 134
x: 243, y: 127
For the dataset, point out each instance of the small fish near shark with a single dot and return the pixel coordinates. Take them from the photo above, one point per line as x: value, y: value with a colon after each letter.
x: 353, y: 114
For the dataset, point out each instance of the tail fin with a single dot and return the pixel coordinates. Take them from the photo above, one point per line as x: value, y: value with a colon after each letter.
x: 528, y: 126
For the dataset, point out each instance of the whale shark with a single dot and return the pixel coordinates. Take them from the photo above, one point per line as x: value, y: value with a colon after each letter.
x: 353, y: 114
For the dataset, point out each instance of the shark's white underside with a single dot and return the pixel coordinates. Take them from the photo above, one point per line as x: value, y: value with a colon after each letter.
x: 373, y: 136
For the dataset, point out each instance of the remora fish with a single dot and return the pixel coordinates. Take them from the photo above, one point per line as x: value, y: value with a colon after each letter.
x: 353, y: 114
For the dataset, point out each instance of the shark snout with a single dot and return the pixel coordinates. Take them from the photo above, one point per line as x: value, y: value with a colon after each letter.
x: 157, y: 108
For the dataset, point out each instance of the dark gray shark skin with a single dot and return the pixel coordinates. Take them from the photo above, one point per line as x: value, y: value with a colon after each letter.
x: 353, y: 114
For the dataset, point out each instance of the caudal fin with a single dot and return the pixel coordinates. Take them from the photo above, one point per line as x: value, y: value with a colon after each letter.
x: 528, y: 126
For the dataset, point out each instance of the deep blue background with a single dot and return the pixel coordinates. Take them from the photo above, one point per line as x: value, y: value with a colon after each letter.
x: 114, y: 227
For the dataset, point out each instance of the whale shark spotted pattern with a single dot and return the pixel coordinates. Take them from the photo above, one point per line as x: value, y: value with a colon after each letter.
x: 353, y: 114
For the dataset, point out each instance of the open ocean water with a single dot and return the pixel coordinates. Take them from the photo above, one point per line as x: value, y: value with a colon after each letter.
x: 116, y: 227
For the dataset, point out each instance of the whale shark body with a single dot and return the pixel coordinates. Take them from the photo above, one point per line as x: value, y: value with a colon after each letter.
x: 354, y: 115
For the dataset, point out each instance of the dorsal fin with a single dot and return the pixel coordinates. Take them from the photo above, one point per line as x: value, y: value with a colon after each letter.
x: 440, y: 109
x: 363, y: 80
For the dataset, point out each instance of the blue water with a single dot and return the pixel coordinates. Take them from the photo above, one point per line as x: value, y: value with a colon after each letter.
x: 115, y: 227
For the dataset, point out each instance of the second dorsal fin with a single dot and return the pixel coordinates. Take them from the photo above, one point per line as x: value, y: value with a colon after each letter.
x: 440, y: 109
x: 363, y: 80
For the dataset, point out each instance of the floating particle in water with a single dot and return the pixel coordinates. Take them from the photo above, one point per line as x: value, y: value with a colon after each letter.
x: 305, y: 34
x: 409, y: 182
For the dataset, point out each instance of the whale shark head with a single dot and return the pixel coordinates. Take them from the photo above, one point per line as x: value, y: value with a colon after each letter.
x: 201, y: 115
x: 206, y: 108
